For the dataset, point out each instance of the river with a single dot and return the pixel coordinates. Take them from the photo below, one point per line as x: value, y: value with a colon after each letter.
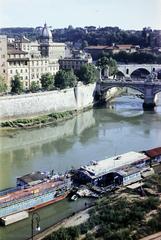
x: 96, y: 134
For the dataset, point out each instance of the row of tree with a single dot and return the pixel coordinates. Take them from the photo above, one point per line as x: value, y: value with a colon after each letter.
x: 107, y: 36
x: 136, y: 57
x: 88, y: 73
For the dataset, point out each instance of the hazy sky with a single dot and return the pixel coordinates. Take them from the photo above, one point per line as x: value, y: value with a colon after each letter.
x: 127, y: 14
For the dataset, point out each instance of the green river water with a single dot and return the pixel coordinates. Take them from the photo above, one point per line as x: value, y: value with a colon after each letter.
x: 99, y: 133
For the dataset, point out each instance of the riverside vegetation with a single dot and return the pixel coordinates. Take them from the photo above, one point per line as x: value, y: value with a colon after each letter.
x: 121, y: 216
x: 39, y: 121
x: 63, y: 79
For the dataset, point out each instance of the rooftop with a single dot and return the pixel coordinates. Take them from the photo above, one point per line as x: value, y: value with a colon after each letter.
x: 109, y: 164
x: 97, y: 47
x: 118, y: 46
x: 154, y: 152
x: 15, y: 51
x: 128, y: 171
x: 32, y: 177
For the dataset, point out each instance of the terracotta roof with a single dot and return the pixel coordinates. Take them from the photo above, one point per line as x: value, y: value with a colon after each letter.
x: 118, y: 46
x: 109, y: 47
x: 124, y: 46
x: 97, y: 47
x: 154, y: 152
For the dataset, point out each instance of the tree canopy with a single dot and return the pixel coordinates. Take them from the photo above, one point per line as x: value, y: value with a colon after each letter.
x: 108, y: 62
x: 88, y: 73
x: 34, y: 86
x: 47, y: 81
x: 16, y: 84
x: 3, y: 86
x: 64, y: 79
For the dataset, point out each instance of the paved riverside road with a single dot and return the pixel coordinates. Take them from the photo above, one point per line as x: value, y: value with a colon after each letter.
x: 156, y: 236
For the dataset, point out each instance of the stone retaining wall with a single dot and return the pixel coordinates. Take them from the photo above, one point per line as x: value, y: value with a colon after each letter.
x: 35, y: 104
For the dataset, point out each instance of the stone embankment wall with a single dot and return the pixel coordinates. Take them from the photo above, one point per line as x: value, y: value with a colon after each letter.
x: 35, y: 104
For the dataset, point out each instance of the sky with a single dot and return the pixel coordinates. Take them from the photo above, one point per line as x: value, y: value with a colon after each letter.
x: 126, y: 14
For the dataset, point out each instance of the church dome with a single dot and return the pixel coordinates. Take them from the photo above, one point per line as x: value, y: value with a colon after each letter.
x: 38, y: 32
x: 46, y: 32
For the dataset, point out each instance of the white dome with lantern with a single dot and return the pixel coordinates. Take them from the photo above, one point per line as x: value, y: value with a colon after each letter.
x: 46, y: 32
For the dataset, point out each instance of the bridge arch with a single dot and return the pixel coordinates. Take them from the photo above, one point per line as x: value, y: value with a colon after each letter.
x: 140, y: 73
x: 120, y: 75
x: 157, y: 91
x: 158, y: 72
x: 132, y: 87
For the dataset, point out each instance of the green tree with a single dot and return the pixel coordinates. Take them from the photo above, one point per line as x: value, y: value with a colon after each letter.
x: 3, y: 85
x: 65, y: 78
x: 84, y: 44
x: 89, y: 236
x: 16, y: 84
x: 73, y: 232
x: 110, y: 63
x: 47, y: 81
x: 34, y: 86
x: 88, y: 73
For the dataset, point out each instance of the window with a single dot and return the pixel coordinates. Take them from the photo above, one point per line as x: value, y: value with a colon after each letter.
x: 10, y: 71
x: 26, y: 78
x: 21, y: 71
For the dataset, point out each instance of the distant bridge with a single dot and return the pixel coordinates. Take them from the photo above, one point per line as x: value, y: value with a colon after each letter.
x: 148, y: 88
x: 127, y: 70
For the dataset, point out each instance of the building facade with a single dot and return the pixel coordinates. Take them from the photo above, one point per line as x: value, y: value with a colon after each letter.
x: 75, y: 62
x: 3, y: 57
x: 31, y: 59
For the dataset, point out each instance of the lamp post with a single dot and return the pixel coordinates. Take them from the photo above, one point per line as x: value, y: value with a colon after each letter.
x: 35, y: 219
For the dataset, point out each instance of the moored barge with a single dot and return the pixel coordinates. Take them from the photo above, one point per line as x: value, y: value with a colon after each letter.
x: 34, y: 191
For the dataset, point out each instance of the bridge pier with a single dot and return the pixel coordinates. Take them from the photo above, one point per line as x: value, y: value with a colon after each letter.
x: 149, y: 99
x: 148, y: 106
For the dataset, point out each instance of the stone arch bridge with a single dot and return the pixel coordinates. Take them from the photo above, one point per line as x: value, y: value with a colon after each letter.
x: 128, y: 69
x: 148, y: 88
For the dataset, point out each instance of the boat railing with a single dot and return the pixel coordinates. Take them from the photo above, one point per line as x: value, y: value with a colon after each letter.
x: 45, y: 191
x: 9, y: 190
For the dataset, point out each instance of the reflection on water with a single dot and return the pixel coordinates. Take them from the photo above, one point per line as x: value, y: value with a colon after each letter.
x: 92, y: 135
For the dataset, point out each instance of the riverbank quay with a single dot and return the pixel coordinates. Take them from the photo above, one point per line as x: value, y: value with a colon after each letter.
x: 44, y: 108
x: 41, y: 188
x: 37, y: 122
x: 74, y: 219
x: 142, y: 215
